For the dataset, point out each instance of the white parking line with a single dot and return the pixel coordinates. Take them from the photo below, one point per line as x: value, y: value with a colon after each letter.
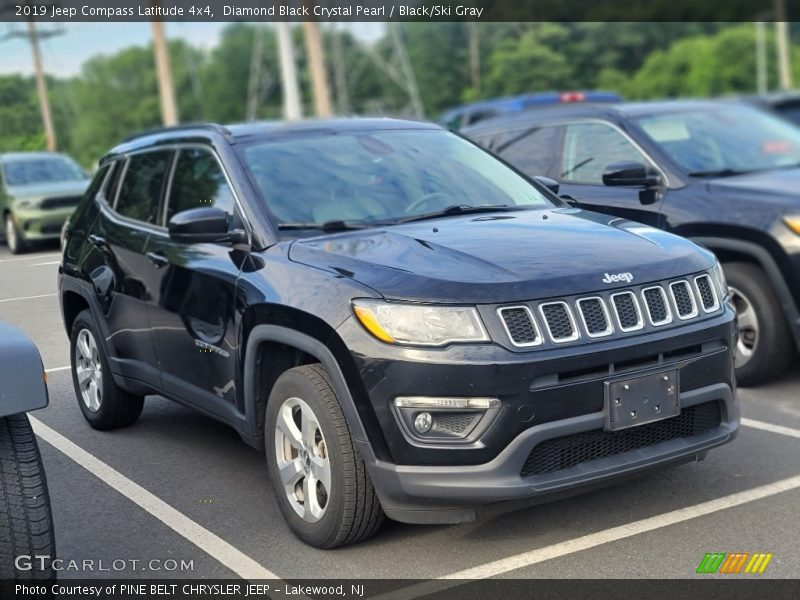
x: 533, y: 557
x: 27, y: 297
x: 216, y: 547
x: 56, y: 369
x: 795, y: 433
x: 52, y: 262
x: 31, y: 257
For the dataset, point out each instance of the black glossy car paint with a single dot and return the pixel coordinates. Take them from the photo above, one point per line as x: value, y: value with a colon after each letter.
x: 212, y: 325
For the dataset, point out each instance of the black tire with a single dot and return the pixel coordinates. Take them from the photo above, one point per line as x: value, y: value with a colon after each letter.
x: 15, y: 241
x: 26, y: 523
x: 353, y: 512
x: 117, y: 408
x: 773, y: 349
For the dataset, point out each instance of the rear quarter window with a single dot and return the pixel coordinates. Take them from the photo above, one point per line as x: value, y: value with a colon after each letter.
x: 139, y: 195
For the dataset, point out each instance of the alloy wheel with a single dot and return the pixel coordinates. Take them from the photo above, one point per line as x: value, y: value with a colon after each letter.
x: 749, y: 328
x: 11, y: 233
x: 89, y: 370
x: 304, y: 466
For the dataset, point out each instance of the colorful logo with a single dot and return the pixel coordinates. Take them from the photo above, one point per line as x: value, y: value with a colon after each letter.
x: 734, y: 562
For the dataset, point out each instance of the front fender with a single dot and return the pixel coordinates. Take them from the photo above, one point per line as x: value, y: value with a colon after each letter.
x: 22, y: 378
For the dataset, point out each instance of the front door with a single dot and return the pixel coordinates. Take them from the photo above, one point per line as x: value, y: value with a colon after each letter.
x: 192, y: 312
x: 587, y: 149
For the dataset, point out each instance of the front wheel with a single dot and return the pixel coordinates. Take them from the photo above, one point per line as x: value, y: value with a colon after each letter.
x: 26, y: 523
x: 764, y: 348
x: 317, y: 473
x: 14, y: 240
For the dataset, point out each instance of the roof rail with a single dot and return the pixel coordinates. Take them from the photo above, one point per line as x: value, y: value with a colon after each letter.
x: 184, y: 127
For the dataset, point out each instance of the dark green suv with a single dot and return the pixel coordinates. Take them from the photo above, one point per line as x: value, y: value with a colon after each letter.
x: 38, y: 192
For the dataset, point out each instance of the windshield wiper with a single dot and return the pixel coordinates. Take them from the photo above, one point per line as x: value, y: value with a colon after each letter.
x: 727, y: 172
x: 335, y: 225
x: 461, y: 209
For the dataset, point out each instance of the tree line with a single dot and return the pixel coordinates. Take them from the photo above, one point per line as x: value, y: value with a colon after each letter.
x: 115, y: 95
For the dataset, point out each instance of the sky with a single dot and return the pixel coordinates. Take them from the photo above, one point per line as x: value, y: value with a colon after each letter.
x: 64, y: 54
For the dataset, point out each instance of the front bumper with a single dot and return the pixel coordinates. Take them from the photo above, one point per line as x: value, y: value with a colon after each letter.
x: 40, y: 224
x: 564, y: 391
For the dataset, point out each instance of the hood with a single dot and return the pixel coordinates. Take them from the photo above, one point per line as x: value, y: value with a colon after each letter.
x: 780, y: 186
x: 37, y: 191
x: 503, y: 257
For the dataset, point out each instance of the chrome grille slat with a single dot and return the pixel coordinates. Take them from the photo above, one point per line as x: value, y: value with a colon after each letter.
x: 559, y: 321
x: 707, y: 293
x: 520, y: 326
x: 656, y: 305
x: 627, y: 311
x: 682, y: 296
x: 594, y: 315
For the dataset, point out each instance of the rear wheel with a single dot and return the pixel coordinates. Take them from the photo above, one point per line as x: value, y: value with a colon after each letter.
x: 764, y: 349
x: 14, y: 240
x: 26, y: 523
x: 317, y: 473
x: 103, y: 403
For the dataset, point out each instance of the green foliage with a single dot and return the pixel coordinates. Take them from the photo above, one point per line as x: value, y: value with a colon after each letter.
x: 116, y: 95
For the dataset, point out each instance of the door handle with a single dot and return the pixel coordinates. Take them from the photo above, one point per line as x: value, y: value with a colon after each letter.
x: 97, y: 241
x: 157, y: 259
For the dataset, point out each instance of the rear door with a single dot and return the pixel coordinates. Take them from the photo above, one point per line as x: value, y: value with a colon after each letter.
x: 192, y: 311
x: 116, y: 262
x: 588, y: 148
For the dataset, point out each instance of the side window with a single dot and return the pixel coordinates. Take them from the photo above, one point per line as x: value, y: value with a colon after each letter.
x: 140, y: 192
x: 531, y: 151
x: 97, y: 182
x: 198, y: 181
x: 110, y: 191
x: 590, y: 147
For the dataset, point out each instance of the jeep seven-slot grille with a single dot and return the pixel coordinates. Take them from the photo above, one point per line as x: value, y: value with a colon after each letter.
x: 641, y: 308
x: 519, y: 326
x: 570, y: 451
x: 559, y: 323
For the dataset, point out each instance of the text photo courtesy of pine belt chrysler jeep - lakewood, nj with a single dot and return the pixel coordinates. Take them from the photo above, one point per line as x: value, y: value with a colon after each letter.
x: 404, y: 324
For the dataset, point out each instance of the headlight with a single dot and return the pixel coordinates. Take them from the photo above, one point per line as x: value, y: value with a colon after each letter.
x: 719, y: 279
x: 420, y: 324
x: 793, y: 223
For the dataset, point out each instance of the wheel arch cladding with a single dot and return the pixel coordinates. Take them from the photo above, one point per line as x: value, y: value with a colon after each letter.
x: 72, y: 304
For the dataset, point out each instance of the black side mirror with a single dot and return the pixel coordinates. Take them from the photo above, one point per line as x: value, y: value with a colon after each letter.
x: 630, y: 173
x: 550, y: 184
x: 206, y: 224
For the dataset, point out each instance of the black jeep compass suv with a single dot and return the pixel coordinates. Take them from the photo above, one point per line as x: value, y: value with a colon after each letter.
x: 404, y: 323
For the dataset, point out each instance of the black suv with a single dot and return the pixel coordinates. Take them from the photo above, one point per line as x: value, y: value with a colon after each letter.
x: 723, y: 174
x: 406, y: 325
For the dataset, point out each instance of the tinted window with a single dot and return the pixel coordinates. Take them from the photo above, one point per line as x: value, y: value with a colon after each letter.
x: 379, y: 175
x: 531, y: 151
x: 41, y: 169
x: 141, y: 187
x: 590, y: 147
x: 110, y: 191
x: 94, y: 186
x: 198, y: 181
x: 727, y: 138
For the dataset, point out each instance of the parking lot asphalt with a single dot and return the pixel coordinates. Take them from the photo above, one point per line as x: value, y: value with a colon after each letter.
x: 178, y: 485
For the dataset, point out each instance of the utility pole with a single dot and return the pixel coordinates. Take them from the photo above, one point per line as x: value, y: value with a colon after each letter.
x: 761, y: 58
x: 254, y: 81
x: 292, y: 109
x: 166, y: 95
x: 407, y: 70
x: 34, y: 36
x: 473, y: 36
x: 339, y: 73
x: 316, y: 63
x: 41, y: 89
x: 782, y: 45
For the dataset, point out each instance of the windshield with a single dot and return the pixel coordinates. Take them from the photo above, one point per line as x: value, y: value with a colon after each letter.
x: 380, y: 176
x: 725, y: 139
x: 41, y: 169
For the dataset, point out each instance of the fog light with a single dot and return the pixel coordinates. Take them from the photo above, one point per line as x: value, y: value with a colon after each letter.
x: 423, y: 422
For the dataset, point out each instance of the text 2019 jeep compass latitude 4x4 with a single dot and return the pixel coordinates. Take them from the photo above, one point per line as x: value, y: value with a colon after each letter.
x: 404, y: 323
